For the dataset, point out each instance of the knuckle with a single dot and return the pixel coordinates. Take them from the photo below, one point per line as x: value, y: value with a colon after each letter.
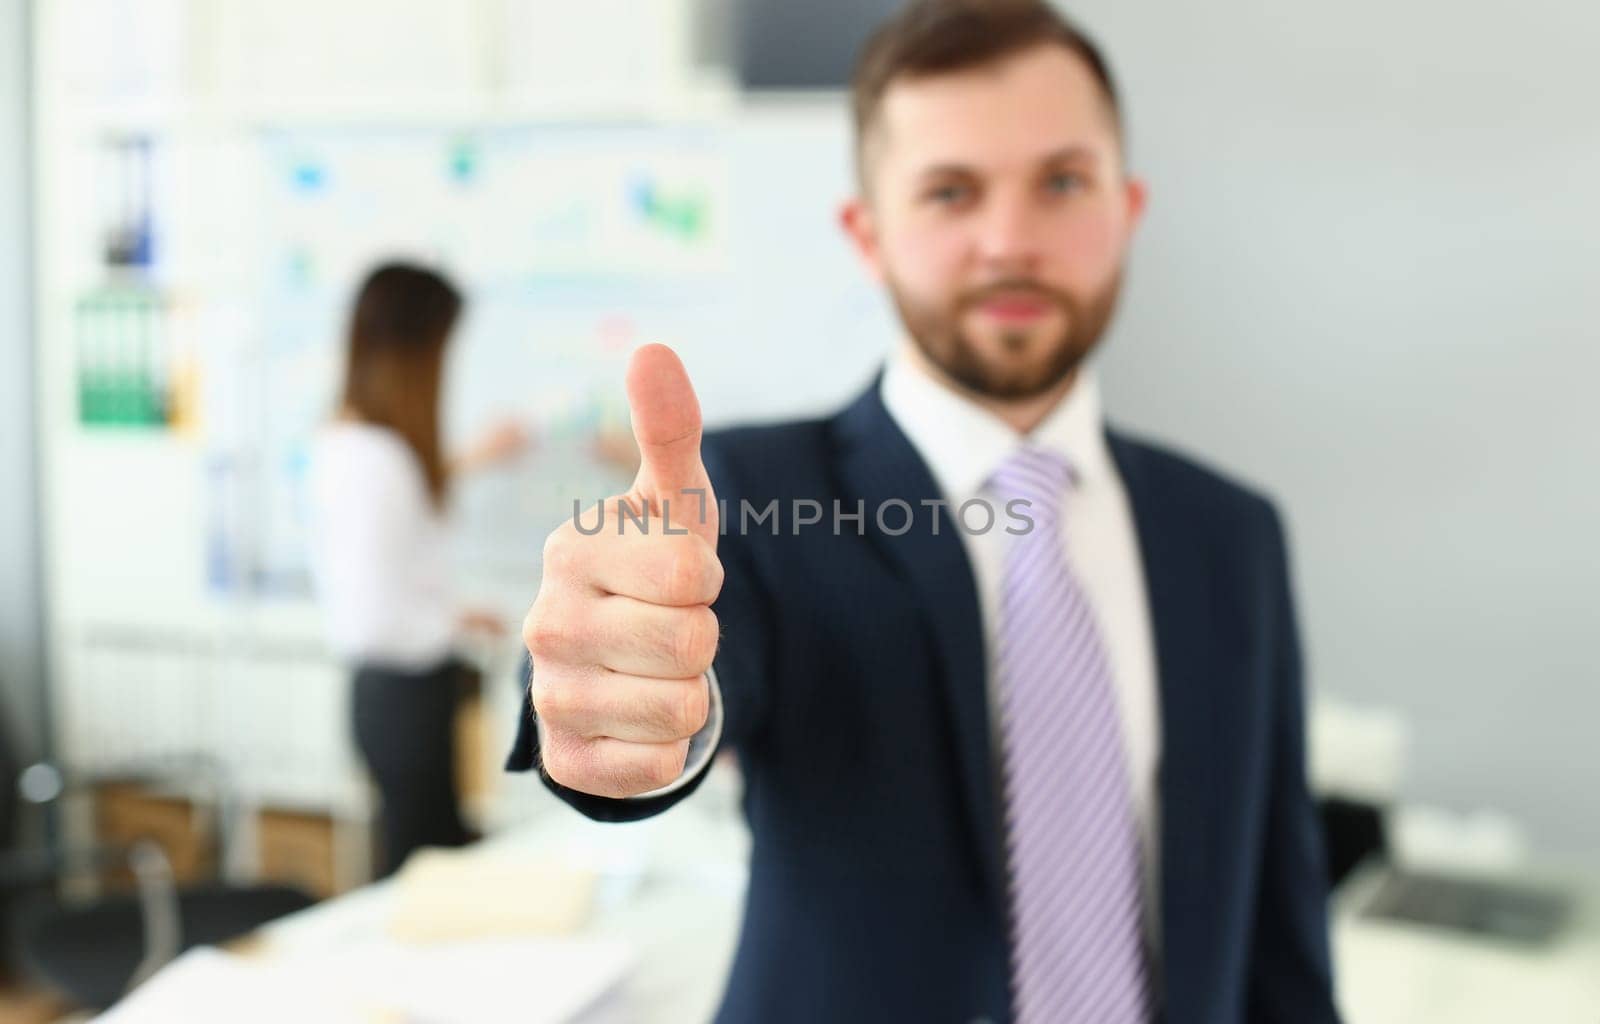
x: 531, y: 625
x: 584, y: 766
x: 697, y: 641
x: 676, y: 712
x: 694, y: 708
x: 684, y: 576
x: 715, y: 573
x: 554, y: 629
x: 556, y: 701
x: 693, y: 575
x: 663, y: 767
x: 620, y: 777
x: 559, y: 554
x: 677, y: 760
x: 649, y: 768
x: 565, y: 761
x: 685, y: 643
x: 647, y: 715
x: 543, y: 632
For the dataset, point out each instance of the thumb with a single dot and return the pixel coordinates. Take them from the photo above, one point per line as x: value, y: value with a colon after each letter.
x: 666, y: 425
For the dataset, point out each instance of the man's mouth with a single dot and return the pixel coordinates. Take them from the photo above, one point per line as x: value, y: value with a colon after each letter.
x: 1014, y: 308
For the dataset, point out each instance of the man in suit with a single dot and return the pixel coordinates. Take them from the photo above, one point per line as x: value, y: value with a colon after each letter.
x: 1017, y: 698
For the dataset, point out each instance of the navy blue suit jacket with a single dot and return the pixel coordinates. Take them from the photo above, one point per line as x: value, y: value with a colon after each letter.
x: 852, y: 670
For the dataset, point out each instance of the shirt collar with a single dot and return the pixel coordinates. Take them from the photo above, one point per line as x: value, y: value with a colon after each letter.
x: 963, y: 443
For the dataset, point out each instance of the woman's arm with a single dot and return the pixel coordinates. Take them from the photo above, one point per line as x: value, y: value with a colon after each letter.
x: 502, y: 442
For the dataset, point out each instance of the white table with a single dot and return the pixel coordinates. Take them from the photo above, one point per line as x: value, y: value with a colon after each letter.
x: 676, y: 890
x: 672, y: 888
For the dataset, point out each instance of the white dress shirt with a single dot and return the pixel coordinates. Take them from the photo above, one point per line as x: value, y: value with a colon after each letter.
x: 963, y: 444
x: 379, y: 550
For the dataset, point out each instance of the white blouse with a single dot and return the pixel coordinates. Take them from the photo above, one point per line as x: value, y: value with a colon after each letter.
x: 379, y: 550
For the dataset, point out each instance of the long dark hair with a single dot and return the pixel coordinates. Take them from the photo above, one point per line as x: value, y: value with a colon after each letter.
x: 402, y: 318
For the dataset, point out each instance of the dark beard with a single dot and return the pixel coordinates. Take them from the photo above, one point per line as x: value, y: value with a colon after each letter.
x: 941, y: 340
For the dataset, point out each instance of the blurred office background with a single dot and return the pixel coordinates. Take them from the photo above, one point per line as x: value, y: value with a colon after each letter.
x: 1364, y: 285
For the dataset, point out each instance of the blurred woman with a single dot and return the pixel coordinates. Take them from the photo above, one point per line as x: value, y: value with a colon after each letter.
x: 379, y: 484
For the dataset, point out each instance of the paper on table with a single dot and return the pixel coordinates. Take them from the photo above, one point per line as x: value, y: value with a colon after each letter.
x: 443, y: 895
x: 533, y: 981
x: 536, y: 981
x: 206, y: 984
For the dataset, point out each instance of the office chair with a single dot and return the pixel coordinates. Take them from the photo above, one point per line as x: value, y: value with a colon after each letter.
x: 95, y: 951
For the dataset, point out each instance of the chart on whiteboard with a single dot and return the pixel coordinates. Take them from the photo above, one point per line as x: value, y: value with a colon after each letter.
x: 573, y: 246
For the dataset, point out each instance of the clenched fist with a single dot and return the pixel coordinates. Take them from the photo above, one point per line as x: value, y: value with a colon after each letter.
x: 622, y: 633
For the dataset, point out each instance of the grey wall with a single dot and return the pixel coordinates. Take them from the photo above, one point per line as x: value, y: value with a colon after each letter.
x: 1368, y: 282
x: 21, y: 658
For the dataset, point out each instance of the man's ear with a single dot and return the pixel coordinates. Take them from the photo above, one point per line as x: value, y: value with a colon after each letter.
x: 856, y: 218
x: 1137, y: 195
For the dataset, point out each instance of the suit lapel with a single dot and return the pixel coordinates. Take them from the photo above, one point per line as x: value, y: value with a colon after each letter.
x: 1175, y: 582
x: 878, y: 464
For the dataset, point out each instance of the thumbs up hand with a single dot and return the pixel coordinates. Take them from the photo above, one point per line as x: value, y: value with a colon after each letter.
x: 622, y: 632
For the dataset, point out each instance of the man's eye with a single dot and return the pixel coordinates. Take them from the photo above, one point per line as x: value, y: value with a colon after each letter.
x: 1065, y: 182
x: 949, y: 193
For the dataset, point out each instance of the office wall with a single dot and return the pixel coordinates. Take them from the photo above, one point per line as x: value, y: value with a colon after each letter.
x: 1366, y: 282
x: 21, y: 668
x: 1359, y: 286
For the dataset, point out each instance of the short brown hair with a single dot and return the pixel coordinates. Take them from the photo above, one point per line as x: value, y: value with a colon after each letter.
x: 931, y: 37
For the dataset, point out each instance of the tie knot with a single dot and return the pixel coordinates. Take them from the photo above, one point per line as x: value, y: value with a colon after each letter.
x: 1035, y: 475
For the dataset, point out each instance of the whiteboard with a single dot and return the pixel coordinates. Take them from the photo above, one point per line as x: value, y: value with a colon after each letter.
x: 574, y: 243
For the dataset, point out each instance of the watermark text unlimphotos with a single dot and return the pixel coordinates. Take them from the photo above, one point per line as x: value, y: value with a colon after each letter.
x: 893, y: 517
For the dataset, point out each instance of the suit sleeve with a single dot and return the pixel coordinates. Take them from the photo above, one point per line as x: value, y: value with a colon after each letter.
x: 1291, y: 978
x: 742, y: 670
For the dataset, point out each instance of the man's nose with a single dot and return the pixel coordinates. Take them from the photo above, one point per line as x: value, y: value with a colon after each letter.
x: 1009, y: 235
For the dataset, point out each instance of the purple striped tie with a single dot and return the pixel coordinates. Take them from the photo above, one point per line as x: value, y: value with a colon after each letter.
x: 1072, y: 844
